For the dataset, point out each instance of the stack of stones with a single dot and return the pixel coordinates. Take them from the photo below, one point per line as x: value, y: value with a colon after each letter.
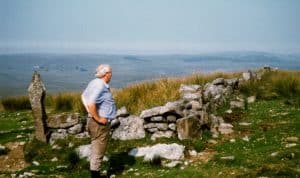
x: 64, y: 124
x: 195, y: 110
x: 187, y: 116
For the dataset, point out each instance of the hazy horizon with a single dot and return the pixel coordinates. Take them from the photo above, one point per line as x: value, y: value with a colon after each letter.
x: 72, y: 72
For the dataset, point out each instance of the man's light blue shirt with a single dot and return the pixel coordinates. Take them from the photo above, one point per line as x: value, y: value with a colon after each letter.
x: 98, y: 92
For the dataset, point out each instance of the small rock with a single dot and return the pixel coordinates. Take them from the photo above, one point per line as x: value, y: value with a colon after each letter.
x: 62, y: 167
x: 227, y: 158
x: 19, y: 136
x: 225, y: 128
x: 274, y: 154
x: 292, y: 139
x: 71, y: 145
x: 246, y: 138
x: 105, y: 158
x: 244, y: 123
x: 54, y: 159
x: 251, y: 99
x: 237, y: 104
x: 212, y: 141
x: 171, y: 118
x: 232, y: 140
x: 229, y: 111
x: 29, y: 174
x: 76, y: 129
x: 215, y: 135
x: 246, y: 76
x: 172, y: 126
x: 192, y: 152
x: 35, y: 163
x: 290, y: 145
x: 112, y: 176
x: 3, y: 150
x: 82, y: 135
x: 56, y: 147
x: 22, y: 143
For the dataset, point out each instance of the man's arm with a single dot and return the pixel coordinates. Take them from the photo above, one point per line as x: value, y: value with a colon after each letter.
x: 84, y: 103
x: 93, y: 110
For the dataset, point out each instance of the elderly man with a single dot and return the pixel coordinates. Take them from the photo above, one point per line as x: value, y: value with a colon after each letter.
x: 101, y: 108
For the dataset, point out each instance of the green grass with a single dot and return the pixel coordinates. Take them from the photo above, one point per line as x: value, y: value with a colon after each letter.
x: 272, y: 121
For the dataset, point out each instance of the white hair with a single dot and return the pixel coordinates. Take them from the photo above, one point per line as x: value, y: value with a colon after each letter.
x: 102, y: 70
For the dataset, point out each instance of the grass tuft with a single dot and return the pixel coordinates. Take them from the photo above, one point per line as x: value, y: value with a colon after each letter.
x: 16, y: 103
x: 64, y: 102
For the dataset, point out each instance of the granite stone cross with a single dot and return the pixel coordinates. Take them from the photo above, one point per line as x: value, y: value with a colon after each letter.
x: 37, y: 93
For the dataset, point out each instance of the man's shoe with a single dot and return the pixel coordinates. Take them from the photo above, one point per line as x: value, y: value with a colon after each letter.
x: 95, y: 174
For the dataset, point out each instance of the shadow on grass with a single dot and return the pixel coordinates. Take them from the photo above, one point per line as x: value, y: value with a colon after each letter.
x: 119, y: 161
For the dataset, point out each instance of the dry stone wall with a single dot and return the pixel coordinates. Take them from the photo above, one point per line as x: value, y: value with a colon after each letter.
x: 184, y: 118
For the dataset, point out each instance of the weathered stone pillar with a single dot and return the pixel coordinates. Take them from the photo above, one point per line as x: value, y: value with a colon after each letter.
x: 37, y: 93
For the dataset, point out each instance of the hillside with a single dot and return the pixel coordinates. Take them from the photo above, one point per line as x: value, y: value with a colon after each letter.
x: 264, y: 141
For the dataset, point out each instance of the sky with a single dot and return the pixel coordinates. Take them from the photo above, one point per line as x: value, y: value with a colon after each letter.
x: 149, y: 26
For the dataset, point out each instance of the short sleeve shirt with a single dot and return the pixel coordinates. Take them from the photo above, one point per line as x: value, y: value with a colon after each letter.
x: 98, y: 92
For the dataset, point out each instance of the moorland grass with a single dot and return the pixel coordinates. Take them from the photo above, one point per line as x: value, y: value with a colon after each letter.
x: 147, y: 94
x: 275, y: 84
x: 15, y: 103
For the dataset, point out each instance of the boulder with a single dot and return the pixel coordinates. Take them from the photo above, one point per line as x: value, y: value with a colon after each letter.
x: 218, y: 81
x: 63, y: 120
x: 122, y: 112
x: 210, y: 91
x: 76, y: 129
x: 189, y: 88
x: 191, y: 96
x: 131, y: 127
x: 161, y: 150
x: 190, y: 92
x: 170, y: 107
